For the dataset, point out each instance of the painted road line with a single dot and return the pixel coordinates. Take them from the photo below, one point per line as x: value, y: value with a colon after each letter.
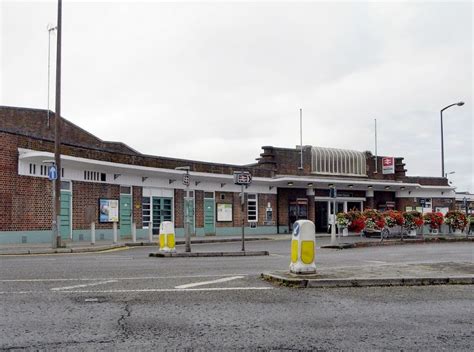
x: 171, y: 290
x: 122, y: 278
x: 225, y: 279
x: 83, y: 285
x: 375, y: 261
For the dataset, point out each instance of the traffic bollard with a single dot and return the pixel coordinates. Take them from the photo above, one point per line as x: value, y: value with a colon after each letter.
x: 93, y: 233
x: 115, y: 232
x: 134, y: 232
x: 167, y: 237
x: 150, y: 233
x: 303, y: 248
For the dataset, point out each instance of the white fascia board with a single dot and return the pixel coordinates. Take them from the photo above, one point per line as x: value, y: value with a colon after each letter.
x: 29, y: 155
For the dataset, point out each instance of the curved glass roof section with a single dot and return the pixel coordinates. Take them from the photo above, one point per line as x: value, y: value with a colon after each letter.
x: 333, y: 161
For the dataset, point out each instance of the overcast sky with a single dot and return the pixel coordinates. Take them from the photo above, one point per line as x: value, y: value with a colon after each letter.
x: 216, y: 81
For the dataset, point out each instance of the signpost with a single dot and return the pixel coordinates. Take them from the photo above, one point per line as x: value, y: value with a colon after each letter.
x: 53, y: 176
x: 187, y: 215
x: 242, y: 178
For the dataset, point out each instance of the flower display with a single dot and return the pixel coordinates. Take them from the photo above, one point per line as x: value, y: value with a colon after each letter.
x: 413, y: 220
x: 393, y: 218
x: 374, y: 220
x: 356, y: 221
x: 342, y: 220
x: 456, y: 219
x: 434, y: 220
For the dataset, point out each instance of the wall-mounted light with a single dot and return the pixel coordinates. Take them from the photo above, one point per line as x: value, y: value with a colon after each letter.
x: 402, y: 188
x: 290, y: 183
x: 350, y: 186
x: 310, y: 184
x: 331, y: 185
x: 387, y: 187
x: 370, y: 187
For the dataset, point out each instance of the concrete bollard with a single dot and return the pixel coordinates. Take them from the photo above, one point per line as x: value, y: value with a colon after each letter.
x: 134, y: 232
x: 115, y: 232
x: 93, y: 233
x: 303, y: 248
x: 150, y: 233
x: 167, y: 237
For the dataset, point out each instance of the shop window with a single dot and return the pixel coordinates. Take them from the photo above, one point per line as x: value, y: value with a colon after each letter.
x: 252, y: 208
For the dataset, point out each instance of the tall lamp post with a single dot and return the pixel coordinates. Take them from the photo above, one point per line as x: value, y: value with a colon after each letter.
x: 50, y: 29
x: 187, y: 216
x: 461, y: 103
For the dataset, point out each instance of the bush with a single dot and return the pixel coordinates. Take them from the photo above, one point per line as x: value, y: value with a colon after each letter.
x: 456, y: 219
x: 374, y: 220
x: 435, y: 220
x: 413, y: 219
x: 393, y: 217
x: 356, y: 221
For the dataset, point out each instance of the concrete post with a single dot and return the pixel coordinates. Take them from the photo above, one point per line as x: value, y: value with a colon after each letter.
x: 134, y: 232
x: 93, y: 233
x: 150, y: 233
x: 115, y: 232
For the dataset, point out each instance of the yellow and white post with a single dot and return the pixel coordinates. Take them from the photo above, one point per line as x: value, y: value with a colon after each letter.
x: 303, y: 248
x: 166, y: 237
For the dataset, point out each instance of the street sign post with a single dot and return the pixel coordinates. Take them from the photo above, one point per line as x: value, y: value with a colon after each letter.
x: 242, y: 178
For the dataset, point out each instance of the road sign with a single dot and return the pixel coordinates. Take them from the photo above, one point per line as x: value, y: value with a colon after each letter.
x: 242, y: 178
x: 186, y: 179
x: 52, y: 173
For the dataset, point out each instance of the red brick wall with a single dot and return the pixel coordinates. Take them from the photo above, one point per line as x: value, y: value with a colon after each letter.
x: 85, y: 196
x: 179, y: 208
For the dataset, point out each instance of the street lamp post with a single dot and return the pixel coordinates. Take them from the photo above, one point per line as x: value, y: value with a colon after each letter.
x: 461, y: 103
x: 50, y: 29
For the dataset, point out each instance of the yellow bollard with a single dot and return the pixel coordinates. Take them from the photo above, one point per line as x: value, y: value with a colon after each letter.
x: 167, y: 237
x: 303, y: 248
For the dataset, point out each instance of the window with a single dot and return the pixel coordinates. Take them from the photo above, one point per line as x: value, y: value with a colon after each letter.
x: 146, y: 212
x: 93, y: 175
x: 161, y: 211
x: 252, y: 213
x: 125, y: 190
x: 209, y: 195
x: 32, y: 169
x: 66, y: 185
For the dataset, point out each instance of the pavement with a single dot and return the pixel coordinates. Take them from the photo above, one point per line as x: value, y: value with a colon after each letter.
x: 322, y: 241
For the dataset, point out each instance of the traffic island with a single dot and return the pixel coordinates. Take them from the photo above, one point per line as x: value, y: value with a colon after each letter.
x: 209, y: 254
x: 378, y: 276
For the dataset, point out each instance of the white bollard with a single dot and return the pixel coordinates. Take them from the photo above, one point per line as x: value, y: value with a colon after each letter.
x: 93, y: 233
x: 134, y: 232
x: 303, y: 248
x: 150, y: 233
x: 166, y: 237
x: 115, y: 232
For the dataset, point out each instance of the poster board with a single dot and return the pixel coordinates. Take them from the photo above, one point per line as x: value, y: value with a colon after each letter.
x: 108, y: 210
x: 224, y: 212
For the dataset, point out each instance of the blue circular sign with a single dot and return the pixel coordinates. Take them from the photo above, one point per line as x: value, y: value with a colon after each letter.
x: 296, y: 229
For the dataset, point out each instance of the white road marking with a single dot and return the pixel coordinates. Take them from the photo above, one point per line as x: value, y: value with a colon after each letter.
x: 119, y: 278
x: 375, y: 261
x: 91, y: 300
x: 173, y: 290
x: 225, y: 279
x: 84, y: 285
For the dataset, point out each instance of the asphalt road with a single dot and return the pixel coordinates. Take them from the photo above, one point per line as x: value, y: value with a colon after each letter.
x: 124, y: 300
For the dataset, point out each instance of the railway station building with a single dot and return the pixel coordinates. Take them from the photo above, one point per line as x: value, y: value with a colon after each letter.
x: 149, y: 189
